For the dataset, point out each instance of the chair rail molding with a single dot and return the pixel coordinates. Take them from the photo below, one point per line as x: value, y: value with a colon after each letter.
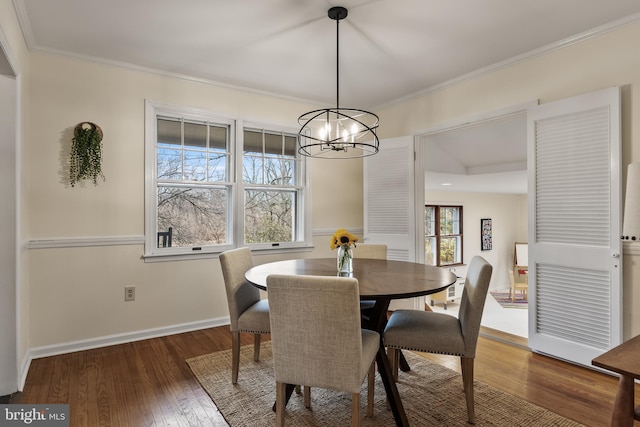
x: 76, y: 242
x: 631, y: 248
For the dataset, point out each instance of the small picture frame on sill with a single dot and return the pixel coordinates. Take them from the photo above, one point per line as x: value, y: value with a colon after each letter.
x: 486, y: 234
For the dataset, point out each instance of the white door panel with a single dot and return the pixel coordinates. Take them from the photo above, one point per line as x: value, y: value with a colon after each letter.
x: 389, y: 199
x: 389, y: 211
x: 575, y: 266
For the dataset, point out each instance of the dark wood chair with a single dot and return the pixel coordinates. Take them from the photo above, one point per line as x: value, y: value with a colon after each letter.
x: 165, y: 238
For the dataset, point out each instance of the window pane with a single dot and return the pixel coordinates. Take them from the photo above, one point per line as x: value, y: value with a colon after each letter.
x: 218, y: 137
x: 269, y: 216
x: 195, y: 165
x: 449, y: 221
x: 169, y: 164
x: 448, y: 250
x: 268, y: 164
x: 197, y: 215
x: 430, y: 221
x: 443, y: 235
x: 252, y: 141
x: 288, y: 172
x: 445, y: 223
x: 276, y: 172
x: 273, y: 143
x: 169, y: 132
x: 218, y: 167
x: 252, y: 168
x: 195, y: 135
x: 430, y: 251
x: 290, y: 143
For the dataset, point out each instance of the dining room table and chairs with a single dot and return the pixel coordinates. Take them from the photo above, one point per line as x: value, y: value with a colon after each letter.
x: 317, y: 339
x: 379, y: 280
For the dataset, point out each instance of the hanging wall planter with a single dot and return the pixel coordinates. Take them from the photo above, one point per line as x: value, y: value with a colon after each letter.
x: 86, y: 154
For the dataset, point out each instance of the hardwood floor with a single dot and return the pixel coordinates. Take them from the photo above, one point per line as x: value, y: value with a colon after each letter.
x: 148, y: 383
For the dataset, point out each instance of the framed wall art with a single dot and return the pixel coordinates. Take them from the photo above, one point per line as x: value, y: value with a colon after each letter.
x: 486, y: 234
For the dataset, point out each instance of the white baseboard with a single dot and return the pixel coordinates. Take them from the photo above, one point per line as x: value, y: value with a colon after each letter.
x: 70, y: 347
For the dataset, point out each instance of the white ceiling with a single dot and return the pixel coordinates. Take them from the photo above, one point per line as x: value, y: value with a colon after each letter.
x: 490, y: 156
x: 389, y: 49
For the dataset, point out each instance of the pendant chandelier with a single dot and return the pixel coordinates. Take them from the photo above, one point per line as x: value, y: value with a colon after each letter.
x: 343, y: 133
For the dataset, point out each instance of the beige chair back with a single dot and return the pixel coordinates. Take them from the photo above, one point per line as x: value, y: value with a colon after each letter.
x: 316, y: 335
x: 476, y: 287
x: 240, y: 293
x: 370, y: 251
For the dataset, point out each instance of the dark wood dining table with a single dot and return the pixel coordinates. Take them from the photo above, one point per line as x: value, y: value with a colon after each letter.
x: 378, y: 280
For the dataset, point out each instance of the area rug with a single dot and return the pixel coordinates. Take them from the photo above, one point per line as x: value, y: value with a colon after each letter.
x: 504, y: 299
x: 432, y: 395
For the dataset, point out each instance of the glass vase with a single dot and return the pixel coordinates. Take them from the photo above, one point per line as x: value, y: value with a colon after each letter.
x: 345, y: 259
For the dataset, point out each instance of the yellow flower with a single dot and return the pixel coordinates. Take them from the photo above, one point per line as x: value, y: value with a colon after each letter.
x: 342, y: 238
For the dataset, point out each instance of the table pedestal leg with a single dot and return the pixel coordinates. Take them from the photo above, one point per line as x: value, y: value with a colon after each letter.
x: 377, y: 322
x: 623, y: 408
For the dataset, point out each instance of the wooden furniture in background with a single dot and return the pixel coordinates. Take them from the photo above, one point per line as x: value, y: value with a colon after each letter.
x: 452, y: 293
x: 521, y: 287
x: 519, y: 276
x: 624, y: 360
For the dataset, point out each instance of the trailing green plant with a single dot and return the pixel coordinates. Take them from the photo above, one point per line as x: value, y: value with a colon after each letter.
x: 86, y: 154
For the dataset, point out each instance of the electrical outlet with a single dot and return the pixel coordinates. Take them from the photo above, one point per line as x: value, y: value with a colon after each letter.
x: 129, y: 293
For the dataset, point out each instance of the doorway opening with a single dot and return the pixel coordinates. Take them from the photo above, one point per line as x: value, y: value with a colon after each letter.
x: 481, y: 165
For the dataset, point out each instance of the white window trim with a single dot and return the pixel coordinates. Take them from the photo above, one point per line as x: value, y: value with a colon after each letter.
x: 236, y: 228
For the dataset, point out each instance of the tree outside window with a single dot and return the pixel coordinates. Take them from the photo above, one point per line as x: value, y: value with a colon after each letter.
x: 443, y: 235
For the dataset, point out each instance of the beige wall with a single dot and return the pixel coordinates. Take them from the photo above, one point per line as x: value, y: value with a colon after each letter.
x: 77, y: 293
x: 508, y: 213
x: 612, y: 59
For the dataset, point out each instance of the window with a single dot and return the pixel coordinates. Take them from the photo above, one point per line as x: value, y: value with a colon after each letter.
x: 214, y: 184
x: 443, y: 235
x: 270, y: 178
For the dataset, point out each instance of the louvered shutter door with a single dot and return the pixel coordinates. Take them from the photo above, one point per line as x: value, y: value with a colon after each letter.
x: 388, y: 198
x: 574, y: 228
x: 389, y: 213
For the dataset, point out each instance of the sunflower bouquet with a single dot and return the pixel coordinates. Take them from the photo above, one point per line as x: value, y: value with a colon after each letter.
x: 343, y: 240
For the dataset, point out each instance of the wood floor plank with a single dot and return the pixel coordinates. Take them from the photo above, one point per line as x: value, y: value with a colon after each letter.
x: 148, y: 383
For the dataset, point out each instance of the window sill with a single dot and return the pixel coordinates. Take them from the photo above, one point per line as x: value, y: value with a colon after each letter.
x: 209, y: 255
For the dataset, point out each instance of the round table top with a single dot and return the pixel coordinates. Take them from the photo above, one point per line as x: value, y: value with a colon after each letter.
x: 377, y: 278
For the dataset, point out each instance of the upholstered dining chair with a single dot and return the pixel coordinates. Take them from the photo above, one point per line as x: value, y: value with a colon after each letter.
x: 432, y: 332
x: 317, y: 339
x: 370, y: 251
x: 247, y: 312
